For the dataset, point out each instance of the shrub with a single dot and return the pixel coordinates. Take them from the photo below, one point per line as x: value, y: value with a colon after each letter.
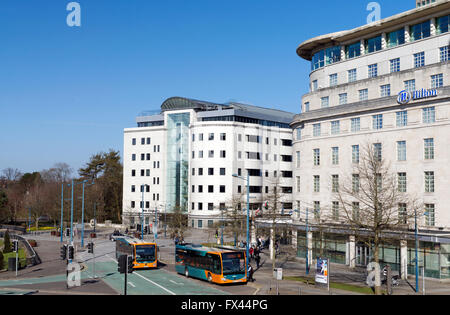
x: 1, y: 260
x: 7, y: 243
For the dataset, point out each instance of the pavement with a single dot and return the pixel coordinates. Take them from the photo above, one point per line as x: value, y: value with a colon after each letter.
x: 49, y: 277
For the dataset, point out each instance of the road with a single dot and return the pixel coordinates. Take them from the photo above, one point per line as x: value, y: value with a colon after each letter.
x: 50, y: 277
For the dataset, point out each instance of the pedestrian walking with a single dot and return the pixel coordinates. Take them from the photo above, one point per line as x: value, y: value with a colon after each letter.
x: 250, y: 273
x: 257, y: 259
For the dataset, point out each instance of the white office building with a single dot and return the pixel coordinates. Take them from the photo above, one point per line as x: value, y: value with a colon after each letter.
x: 387, y: 84
x: 186, y: 155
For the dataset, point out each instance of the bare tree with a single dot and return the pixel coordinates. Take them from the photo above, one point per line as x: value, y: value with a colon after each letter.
x: 11, y: 174
x: 374, y: 202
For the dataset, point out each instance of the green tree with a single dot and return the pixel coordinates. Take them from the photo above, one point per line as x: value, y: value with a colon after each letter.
x: 3, y: 205
x: 7, y: 243
x: 107, y: 172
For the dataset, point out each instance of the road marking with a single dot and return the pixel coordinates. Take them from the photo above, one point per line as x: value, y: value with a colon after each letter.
x: 131, y: 283
x: 146, y: 279
x: 176, y: 282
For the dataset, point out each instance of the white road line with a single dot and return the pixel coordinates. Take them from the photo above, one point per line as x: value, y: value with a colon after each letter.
x: 146, y: 279
x: 176, y: 282
x: 131, y: 283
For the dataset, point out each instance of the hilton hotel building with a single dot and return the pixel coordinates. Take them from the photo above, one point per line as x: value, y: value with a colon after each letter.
x: 186, y: 155
x: 388, y: 84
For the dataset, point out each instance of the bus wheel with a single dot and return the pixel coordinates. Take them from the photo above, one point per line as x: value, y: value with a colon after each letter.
x: 210, y: 278
x: 186, y: 273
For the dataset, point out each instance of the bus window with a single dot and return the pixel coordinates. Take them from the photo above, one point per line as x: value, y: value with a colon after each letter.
x: 145, y: 253
x: 216, y: 266
x: 233, y: 263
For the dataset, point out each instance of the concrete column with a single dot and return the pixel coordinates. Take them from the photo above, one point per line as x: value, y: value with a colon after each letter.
x: 433, y: 27
x: 342, y: 57
x: 407, y: 35
x: 383, y: 41
x: 363, y: 46
x: 310, y: 248
x: 404, y: 259
x: 294, y: 238
x: 352, y: 251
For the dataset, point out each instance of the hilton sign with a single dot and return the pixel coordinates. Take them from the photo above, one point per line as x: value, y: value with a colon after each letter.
x: 404, y: 97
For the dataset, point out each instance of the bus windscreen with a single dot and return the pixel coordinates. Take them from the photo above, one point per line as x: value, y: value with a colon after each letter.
x: 233, y: 263
x: 145, y: 253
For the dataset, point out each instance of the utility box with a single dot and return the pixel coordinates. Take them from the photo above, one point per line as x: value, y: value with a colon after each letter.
x: 12, y: 264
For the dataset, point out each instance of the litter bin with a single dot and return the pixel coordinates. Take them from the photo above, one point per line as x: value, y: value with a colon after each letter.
x: 278, y: 273
x: 12, y: 264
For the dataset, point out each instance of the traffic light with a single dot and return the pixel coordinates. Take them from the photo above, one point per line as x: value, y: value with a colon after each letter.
x: 64, y: 252
x: 90, y: 248
x: 122, y: 266
x: 67, y: 232
x: 146, y: 229
x: 71, y: 252
x: 130, y: 264
x: 15, y: 246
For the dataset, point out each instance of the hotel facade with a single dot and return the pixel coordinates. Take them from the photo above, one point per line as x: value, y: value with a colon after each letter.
x: 387, y: 85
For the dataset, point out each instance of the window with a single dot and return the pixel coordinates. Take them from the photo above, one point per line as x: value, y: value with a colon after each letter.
x: 316, y: 157
x: 378, y: 151
x: 442, y: 24
x: 353, y: 50
x: 253, y: 156
x: 402, y: 119
x: 343, y: 99
x: 335, y: 183
x: 402, y: 184
x: 223, y: 137
x: 298, y: 183
x: 200, y: 206
x: 315, y: 85
x: 335, y: 127
x: 142, y: 141
x: 373, y: 44
x: 298, y: 159
x: 430, y: 214
x: 200, y: 137
x: 254, y: 139
x: 429, y: 115
x: 377, y: 121
x: 133, y: 173
x: 429, y: 149
x: 142, y: 157
x: 149, y: 140
x: 402, y: 213
x: 299, y: 133
x: 373, y: 70
x: 133, y: 141
x: 385, y: 90
x: 335, y: 156
x: 200, y: 154
x: 420, y: 31
x: 355, y: 183
x: 307, y: 107
x: 148, y: 156
x: 419, y: 60
x: 401, y: 150
x: 223, y: 154
x: 352, y: 77
x: 335, y: 210
x: 355, y: 154
x: 325, y: 102
x: 222, y: 189
x: 133, y: 157
x: 211, y: 154
x: 222, y: 172
x: 410, y: 85
x: 437, y: 81
x: 210, y: 171
x: 316, y: 209
x: 200, y: 172
x: 356, y: 124
x: 333, y: 79
x: 317, y: 130
x: 444, y: 53
x: 429, y: 182
x: 355, y: 210
x: 200, y: 189
x: 142, y: 172
x: 316, y: 183
x: 395, y: 38
x: 363, y: 95
x: 200, y: 224
x: 395, y: 65
x: 133, y: 188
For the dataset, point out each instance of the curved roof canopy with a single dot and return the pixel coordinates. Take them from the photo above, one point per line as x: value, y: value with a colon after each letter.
x: 180, y: 103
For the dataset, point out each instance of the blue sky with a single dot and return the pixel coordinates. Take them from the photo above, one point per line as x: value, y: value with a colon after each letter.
x: 68, y: 93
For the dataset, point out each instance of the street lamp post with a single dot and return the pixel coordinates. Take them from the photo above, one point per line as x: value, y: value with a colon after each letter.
x: 248, y: 214
x: 143, y: 187
x: 62, y: 210
x: 416, y: 250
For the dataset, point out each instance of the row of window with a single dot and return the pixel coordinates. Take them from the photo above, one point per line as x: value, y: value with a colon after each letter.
x: 146, y: 141
x: 430, y: 210
x: 429, y: 153
x: 416, y: 32
x: 146, y: 203
x: 146, y: 172
x: 428, y: 117
x: 429, y: 183
x: 436, y: 81
x: 249, y: 138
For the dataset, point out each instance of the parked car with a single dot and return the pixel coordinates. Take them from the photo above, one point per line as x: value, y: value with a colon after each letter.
x: 116, y: 235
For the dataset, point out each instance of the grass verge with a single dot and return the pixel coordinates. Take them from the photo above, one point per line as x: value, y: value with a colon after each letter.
x: 334, y: 285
